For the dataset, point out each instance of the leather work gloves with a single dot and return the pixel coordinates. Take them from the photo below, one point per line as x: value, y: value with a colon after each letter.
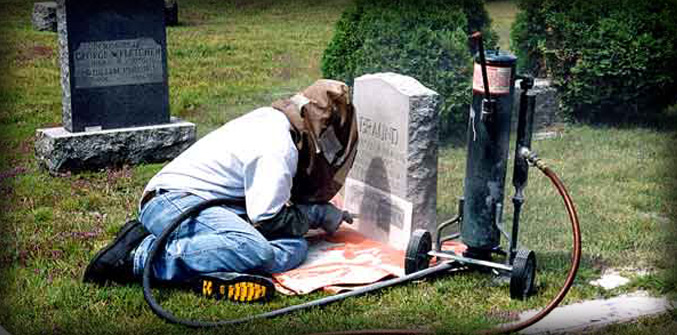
x: 325, y: 216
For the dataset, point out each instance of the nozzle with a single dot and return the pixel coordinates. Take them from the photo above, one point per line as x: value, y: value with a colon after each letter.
x: 526, y: 83
x: 532, y: 158
x: 349, y: 217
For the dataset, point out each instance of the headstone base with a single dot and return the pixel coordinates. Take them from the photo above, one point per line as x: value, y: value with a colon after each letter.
x: 59, y: 150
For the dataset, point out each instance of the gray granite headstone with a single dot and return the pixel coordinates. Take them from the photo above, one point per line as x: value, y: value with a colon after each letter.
x: 44, y: 16
x: 113, y: 63
x: 547, y: 112
x: 393, y: 182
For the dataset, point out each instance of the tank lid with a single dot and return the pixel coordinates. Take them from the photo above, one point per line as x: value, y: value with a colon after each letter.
x: 497, y: 57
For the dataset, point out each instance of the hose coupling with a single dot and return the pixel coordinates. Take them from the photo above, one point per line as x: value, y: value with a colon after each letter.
x: 532, y: 158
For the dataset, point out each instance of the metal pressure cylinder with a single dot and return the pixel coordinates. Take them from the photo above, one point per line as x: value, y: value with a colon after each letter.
x: 488, y: 144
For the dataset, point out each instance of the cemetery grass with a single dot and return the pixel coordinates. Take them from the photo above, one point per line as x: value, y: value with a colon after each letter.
x: 502, y: 13
x: 228, y: 57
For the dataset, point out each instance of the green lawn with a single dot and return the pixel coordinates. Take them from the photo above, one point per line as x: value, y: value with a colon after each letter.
x: 502, y: 13
x: 230, y: 56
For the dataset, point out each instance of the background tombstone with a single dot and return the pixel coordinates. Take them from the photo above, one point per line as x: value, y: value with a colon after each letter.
x: 113, y: 63
x: 393, y: 182
x: 171, y: 12
x: 115, y: 96
x: 547, y: 113
x: 44, y: 16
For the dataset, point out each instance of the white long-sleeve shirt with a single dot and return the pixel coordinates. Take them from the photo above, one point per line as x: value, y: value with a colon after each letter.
x: 252, y: 157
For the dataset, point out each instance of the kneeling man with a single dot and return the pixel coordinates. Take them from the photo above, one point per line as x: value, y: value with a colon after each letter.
x: 280, y: 165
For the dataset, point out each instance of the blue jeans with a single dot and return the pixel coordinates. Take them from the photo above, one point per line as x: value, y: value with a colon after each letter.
x: 216, y: 240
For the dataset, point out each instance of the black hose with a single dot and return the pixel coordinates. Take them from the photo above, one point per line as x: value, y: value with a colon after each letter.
x: 162, y: 240
x: 162, y: 313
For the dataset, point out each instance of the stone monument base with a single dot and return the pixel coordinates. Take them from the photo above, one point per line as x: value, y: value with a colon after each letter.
x: 59, y: 150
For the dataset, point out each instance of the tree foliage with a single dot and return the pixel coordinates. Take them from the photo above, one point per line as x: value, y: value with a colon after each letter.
x: 424, y: 39
x: 611, y: 59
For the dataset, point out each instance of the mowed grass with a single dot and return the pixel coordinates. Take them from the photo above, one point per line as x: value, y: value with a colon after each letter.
x: 502, y: 13
x: 228, y: 57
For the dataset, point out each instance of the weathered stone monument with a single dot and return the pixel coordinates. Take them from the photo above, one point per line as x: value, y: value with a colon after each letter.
x: 113, y: 64
x: 115, y: 97
x: 393, y: 183
x: 44, y: 16
x: 547, y: 113
x: 171, y: 12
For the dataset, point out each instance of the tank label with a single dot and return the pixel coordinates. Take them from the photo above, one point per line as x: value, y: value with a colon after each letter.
x: 499, y: 79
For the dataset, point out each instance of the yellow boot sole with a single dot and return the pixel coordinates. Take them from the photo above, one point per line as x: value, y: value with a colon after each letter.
x: 235, y: 287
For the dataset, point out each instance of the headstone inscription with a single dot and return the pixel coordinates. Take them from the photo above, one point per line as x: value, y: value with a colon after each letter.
x: 114, y: 89
x: 113, y: 63
x: 393, y: 183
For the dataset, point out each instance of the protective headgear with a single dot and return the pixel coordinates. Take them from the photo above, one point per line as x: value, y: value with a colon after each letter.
x: 325, y: 133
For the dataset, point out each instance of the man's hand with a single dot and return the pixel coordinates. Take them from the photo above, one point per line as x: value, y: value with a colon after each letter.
x: 325, y: 216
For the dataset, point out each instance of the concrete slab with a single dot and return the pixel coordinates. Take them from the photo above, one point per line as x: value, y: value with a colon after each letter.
x: 593, y: 314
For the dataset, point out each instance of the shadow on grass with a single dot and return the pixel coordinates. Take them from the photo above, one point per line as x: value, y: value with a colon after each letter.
x: 556, y: 261
x: 454, y: 138
x: 662, y: 121
x: 670, y: 256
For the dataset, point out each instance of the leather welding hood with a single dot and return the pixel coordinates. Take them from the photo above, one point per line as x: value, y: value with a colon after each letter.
x: 325, y: 132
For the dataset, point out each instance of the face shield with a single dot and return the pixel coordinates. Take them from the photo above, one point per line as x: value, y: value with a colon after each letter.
x: 326, y: 127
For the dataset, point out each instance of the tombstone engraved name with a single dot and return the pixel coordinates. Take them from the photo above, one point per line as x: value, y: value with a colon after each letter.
x: 122, y: 62
x: 393, y: 182
x: 113, y: 63
x: 114, y: 89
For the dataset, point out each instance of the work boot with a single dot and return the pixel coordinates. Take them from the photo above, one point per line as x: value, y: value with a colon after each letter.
x: 232, y: 286
x: 115, y: 261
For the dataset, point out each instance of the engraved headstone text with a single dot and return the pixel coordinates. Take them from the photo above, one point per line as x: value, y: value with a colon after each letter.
x: 392, y: 184
x: 121, y: 62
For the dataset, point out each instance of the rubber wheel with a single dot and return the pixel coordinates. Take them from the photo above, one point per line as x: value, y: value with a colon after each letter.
x: 417, y: 257
x: 523, y: 274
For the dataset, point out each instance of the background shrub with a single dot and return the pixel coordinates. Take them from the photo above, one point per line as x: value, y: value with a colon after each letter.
x: 424, y: 39
x: 612, y: 59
